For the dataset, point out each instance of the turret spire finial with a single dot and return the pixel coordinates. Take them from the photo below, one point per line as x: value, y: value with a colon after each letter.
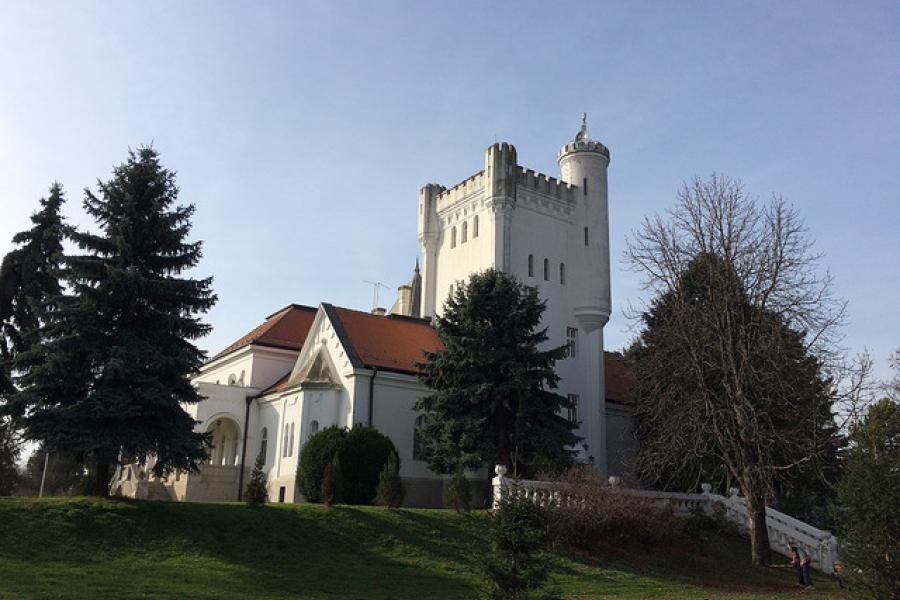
x: 582, y: 135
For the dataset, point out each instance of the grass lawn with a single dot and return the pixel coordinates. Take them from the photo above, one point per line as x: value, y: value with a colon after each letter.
x: 86, y: 548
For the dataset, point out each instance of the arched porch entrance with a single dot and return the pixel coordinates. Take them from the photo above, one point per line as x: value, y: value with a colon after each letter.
x: 226, y: 441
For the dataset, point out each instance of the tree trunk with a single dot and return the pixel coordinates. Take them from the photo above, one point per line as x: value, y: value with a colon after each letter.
x: 760, y: 552
x: 100, y: 486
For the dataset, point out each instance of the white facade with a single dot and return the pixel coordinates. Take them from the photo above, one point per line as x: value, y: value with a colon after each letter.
x: 551, y: 233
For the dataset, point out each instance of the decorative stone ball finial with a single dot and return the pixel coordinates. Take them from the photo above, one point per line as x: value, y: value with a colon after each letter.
x: 500, y: 470
x: 707, y: 488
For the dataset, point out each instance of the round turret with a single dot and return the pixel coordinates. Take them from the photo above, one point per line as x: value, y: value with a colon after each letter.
x: 583, y: 164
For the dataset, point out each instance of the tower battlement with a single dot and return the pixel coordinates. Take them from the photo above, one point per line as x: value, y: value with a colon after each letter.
x: 463, y: 189
x: 584, y: 146
x: 533, y: 180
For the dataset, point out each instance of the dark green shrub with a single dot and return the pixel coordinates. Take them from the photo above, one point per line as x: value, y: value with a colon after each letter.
x: 364, y: 453
x: 318, y: 453
x: 330, y: 490
x: 390, y: 490
x: 521, y: 558
x: 459, y: 493
x: 256, y: 493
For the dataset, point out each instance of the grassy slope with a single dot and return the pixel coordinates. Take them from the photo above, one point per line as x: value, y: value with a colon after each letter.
x: 79, y: 548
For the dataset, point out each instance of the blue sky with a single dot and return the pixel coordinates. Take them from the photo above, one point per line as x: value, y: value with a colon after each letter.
x: 302, y: 131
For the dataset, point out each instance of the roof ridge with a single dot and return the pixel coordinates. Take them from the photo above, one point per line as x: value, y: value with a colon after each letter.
x: 288, y: 307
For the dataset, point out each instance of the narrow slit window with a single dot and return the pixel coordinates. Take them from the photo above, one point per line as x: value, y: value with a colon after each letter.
x: 263, y: 443
x: 531, y: 265
x: 475, y: 227
x: 546, y: 269
x: 572, y: 411
x: 585, y: 236
x: 453, y: 238
x: 571, y: 342
x: 562, y: 273
x: 465, y: 232
x: 585, y: 186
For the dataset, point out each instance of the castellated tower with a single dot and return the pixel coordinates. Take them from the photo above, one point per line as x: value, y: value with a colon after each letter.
x: 551, y: 233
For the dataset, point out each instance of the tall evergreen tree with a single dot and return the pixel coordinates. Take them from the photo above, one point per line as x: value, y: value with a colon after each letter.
x: 728, y: 392
x: 29, y: 286
x: 869, y: 503
x: 9, y: 454
x: 113, y: 377
x: 493, y: 397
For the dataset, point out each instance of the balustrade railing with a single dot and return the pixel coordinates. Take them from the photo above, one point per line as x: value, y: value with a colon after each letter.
x: 782, y: 528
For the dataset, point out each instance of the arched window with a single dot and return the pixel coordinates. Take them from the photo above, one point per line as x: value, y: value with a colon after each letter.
x: 232, y: 379
x: 531, y: 265
x: 453, y: 238
x: 263, y: 443
x: 418, y: 443
x: 465, y: 231
x: 291, y: 445
x: 475, y: 227
x: 286, y: 441
x: 546, y: 269
x: 562, y: 273
x: 313, y: 428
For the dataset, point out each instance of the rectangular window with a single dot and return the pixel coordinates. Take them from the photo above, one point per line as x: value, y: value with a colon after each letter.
x: 281, y: 494
x: 571, y: 342
x: 572, y: 411
x: 585, y: 236
x: 585, y: 186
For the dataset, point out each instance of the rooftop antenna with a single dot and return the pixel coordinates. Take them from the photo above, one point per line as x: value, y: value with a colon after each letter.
x: 376, y: 287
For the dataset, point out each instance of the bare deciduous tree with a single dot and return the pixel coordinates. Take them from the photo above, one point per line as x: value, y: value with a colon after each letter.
x: 740, y: 348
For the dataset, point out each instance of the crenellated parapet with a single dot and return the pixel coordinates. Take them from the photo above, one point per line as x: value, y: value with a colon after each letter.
x: 584, y: 146
x: 461, y: 191
x: 529, y: 179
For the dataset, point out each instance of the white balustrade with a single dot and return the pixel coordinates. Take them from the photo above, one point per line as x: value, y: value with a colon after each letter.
x: 782, y: 528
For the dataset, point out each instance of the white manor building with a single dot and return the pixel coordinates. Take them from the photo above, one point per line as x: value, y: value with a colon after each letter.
x: 307, y: 368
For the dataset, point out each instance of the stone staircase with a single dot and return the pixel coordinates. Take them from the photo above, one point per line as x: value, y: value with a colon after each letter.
x: 782, y: 528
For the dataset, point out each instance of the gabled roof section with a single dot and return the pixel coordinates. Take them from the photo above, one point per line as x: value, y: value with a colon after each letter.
x: 286, y: 328
x: 278, y: 385
x: 621, y: 386
x: 393, y: 342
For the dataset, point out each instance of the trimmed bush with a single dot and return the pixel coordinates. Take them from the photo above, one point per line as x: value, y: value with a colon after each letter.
x: 459, y: 493
x: 390, y: 490
x: 362, y: 453
x: 329, y: 491
x: 317, y: 454
x: 256, y: 493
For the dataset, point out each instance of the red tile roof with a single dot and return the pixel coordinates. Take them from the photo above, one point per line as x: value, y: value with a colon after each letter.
x: 278, y: 385
x: 393, y: 343
x: 286, y: 328
x: 621, y: 386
